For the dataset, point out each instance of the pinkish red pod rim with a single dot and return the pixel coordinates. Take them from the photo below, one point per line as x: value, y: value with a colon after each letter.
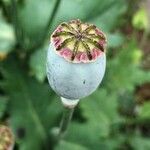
x: 79, y: 42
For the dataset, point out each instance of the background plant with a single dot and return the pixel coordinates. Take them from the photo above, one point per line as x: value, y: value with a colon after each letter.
x: 116, y: 116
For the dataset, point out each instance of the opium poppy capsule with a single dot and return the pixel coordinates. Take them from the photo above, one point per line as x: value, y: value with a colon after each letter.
x: 76, y: 59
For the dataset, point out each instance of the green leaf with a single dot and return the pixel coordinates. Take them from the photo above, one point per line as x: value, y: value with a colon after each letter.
x: 3, y: 104
x: 100, y: 113
x: 140, y: 143
x: 32, y: 106
x: 7, y: 38
x: 33, y: 17
x: 123, y: 71
x: 109, y: 13
x: 97, y: 109
x: 69, y: 146
x: 86, y: 135
x: 37, y: 64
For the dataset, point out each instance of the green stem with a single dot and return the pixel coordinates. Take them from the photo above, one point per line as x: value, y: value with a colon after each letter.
x: 54, y: 12
x: 50, y: 21
x: 67, y: 115
x: 58, y: 133
x: 5, y: 9
x: 16, y: 22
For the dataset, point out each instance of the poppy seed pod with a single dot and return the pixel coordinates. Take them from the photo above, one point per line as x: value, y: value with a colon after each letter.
x: 76, y: 59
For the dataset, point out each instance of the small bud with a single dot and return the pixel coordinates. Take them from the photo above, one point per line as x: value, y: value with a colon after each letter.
x: 76, y: 59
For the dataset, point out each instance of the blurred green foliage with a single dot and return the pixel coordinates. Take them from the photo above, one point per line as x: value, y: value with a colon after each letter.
x: 109, y: 119
x: 140, y: 19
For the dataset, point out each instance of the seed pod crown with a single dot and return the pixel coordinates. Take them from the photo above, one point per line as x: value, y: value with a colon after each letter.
x: 78, y: 42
